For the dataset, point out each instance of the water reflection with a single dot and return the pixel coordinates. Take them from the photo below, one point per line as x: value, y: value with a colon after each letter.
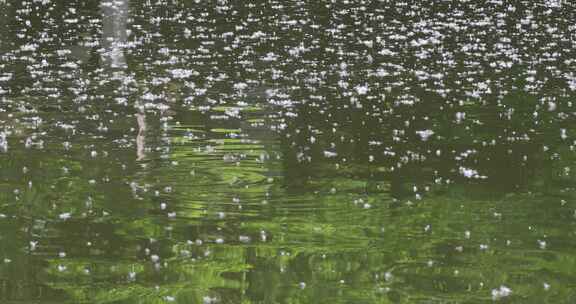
x: 114, y: 32
x: 115, y: 41
x: 286, y: 152
x: 141, y: 138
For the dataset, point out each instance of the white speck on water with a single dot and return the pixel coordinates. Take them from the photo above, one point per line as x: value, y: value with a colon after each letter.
x: 181, y: 73
x: 425, y: 134
x: 209, y: 300
x: 361, y: 89
x: 501, y: 292
x: 330, y: 154
x: 542, y: 244
x: 563, y: 134
x: 388, y: 276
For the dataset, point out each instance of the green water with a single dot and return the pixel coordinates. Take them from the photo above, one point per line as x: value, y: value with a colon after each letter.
x: 287, y: 152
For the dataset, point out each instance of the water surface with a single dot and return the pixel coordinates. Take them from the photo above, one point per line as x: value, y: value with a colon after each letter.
x: 287, y: 152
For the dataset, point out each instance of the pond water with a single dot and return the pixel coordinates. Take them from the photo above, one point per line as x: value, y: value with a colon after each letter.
x: 344, y: 151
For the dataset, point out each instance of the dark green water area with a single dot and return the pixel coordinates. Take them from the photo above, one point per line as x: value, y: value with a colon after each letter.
x: 270, y: 151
